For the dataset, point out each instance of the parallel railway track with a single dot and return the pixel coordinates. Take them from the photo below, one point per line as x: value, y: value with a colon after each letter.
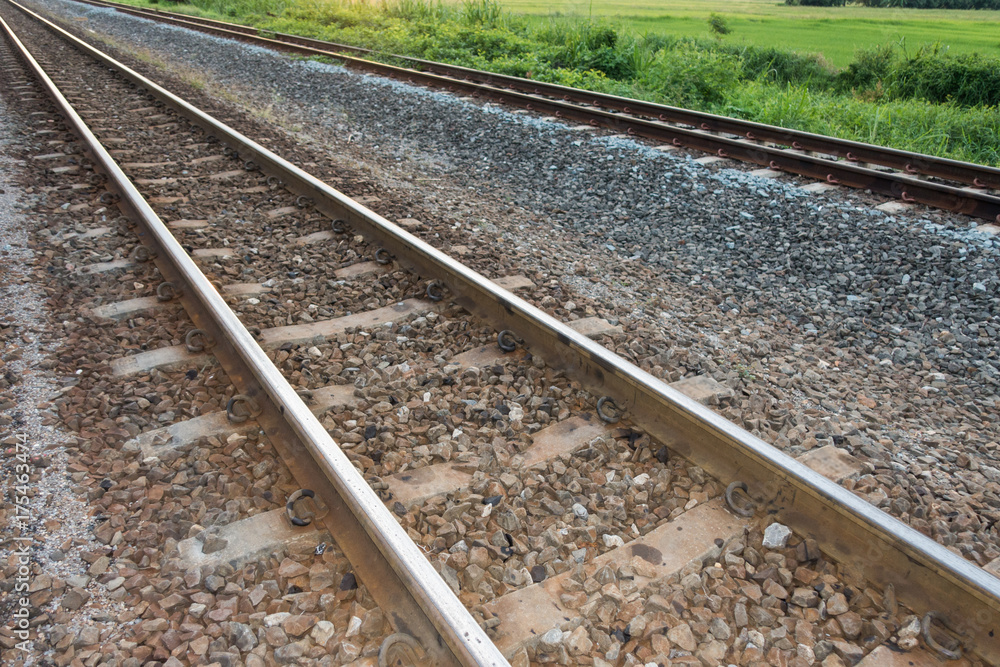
x: 951, y: 185
x: 507, y: 514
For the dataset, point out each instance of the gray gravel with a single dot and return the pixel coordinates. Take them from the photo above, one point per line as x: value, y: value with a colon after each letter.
x: 55, y: 526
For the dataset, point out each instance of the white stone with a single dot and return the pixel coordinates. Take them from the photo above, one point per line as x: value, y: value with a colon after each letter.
x: 551, y: 639
x: 272, y: 620
x: 612, y: 541
x: 322, y: 631
x: 776, y: 536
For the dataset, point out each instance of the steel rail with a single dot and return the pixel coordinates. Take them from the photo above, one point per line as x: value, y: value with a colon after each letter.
x: 911, y: 163
x: 455, y: 638
x: 864, y: 540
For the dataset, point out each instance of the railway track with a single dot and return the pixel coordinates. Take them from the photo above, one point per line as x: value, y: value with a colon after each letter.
x: 951, y: 185
x: 574, y: 507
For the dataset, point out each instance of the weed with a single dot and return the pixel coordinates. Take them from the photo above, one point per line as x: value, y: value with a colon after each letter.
x: 780, y: 66
x: 692, y: 78
x: 245, y: 9
x: 416, y: 10
x: 483, y: 13
x: 930, y: 74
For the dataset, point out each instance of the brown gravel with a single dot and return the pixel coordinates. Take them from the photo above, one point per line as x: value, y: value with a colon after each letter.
x: 105, y: 584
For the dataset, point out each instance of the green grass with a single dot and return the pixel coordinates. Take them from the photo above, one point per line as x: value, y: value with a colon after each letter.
x: 834, y: 32
x: 918, y: 99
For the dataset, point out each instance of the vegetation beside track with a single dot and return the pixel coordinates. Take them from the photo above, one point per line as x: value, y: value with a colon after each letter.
x: 921, y: 99
x: 835, y: 32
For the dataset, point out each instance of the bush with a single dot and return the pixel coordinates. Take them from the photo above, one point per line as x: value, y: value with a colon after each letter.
x: 242, y: 8
x: 869, y: 68
x: 691, y: 78
x: 718, y: 24
x: 965, y: 80
x: 589, y: 46
x: 780, y: 66
x: 456, y: 43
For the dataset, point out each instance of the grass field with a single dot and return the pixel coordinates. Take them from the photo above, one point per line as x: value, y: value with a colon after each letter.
x: 835, y: 32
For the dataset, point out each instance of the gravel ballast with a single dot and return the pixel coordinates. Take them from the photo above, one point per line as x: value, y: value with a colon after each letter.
x: 43, y: 525
x: 833, y: 322
x: 91, y: 559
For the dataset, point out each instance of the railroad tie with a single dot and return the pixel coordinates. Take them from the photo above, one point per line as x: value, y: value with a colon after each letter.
x: 120, y: 309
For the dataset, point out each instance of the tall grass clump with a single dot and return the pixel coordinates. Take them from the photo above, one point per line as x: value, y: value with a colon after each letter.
x: 487, y: 13
x: 969, y: 134
x: 417, y: 10
x: 792, y: 106
x: 245, y: 9
x: 967, y: 80
x: 694, y: 78
x: 780, y: 66
x: 929, y: 74
x: 585, y: 45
